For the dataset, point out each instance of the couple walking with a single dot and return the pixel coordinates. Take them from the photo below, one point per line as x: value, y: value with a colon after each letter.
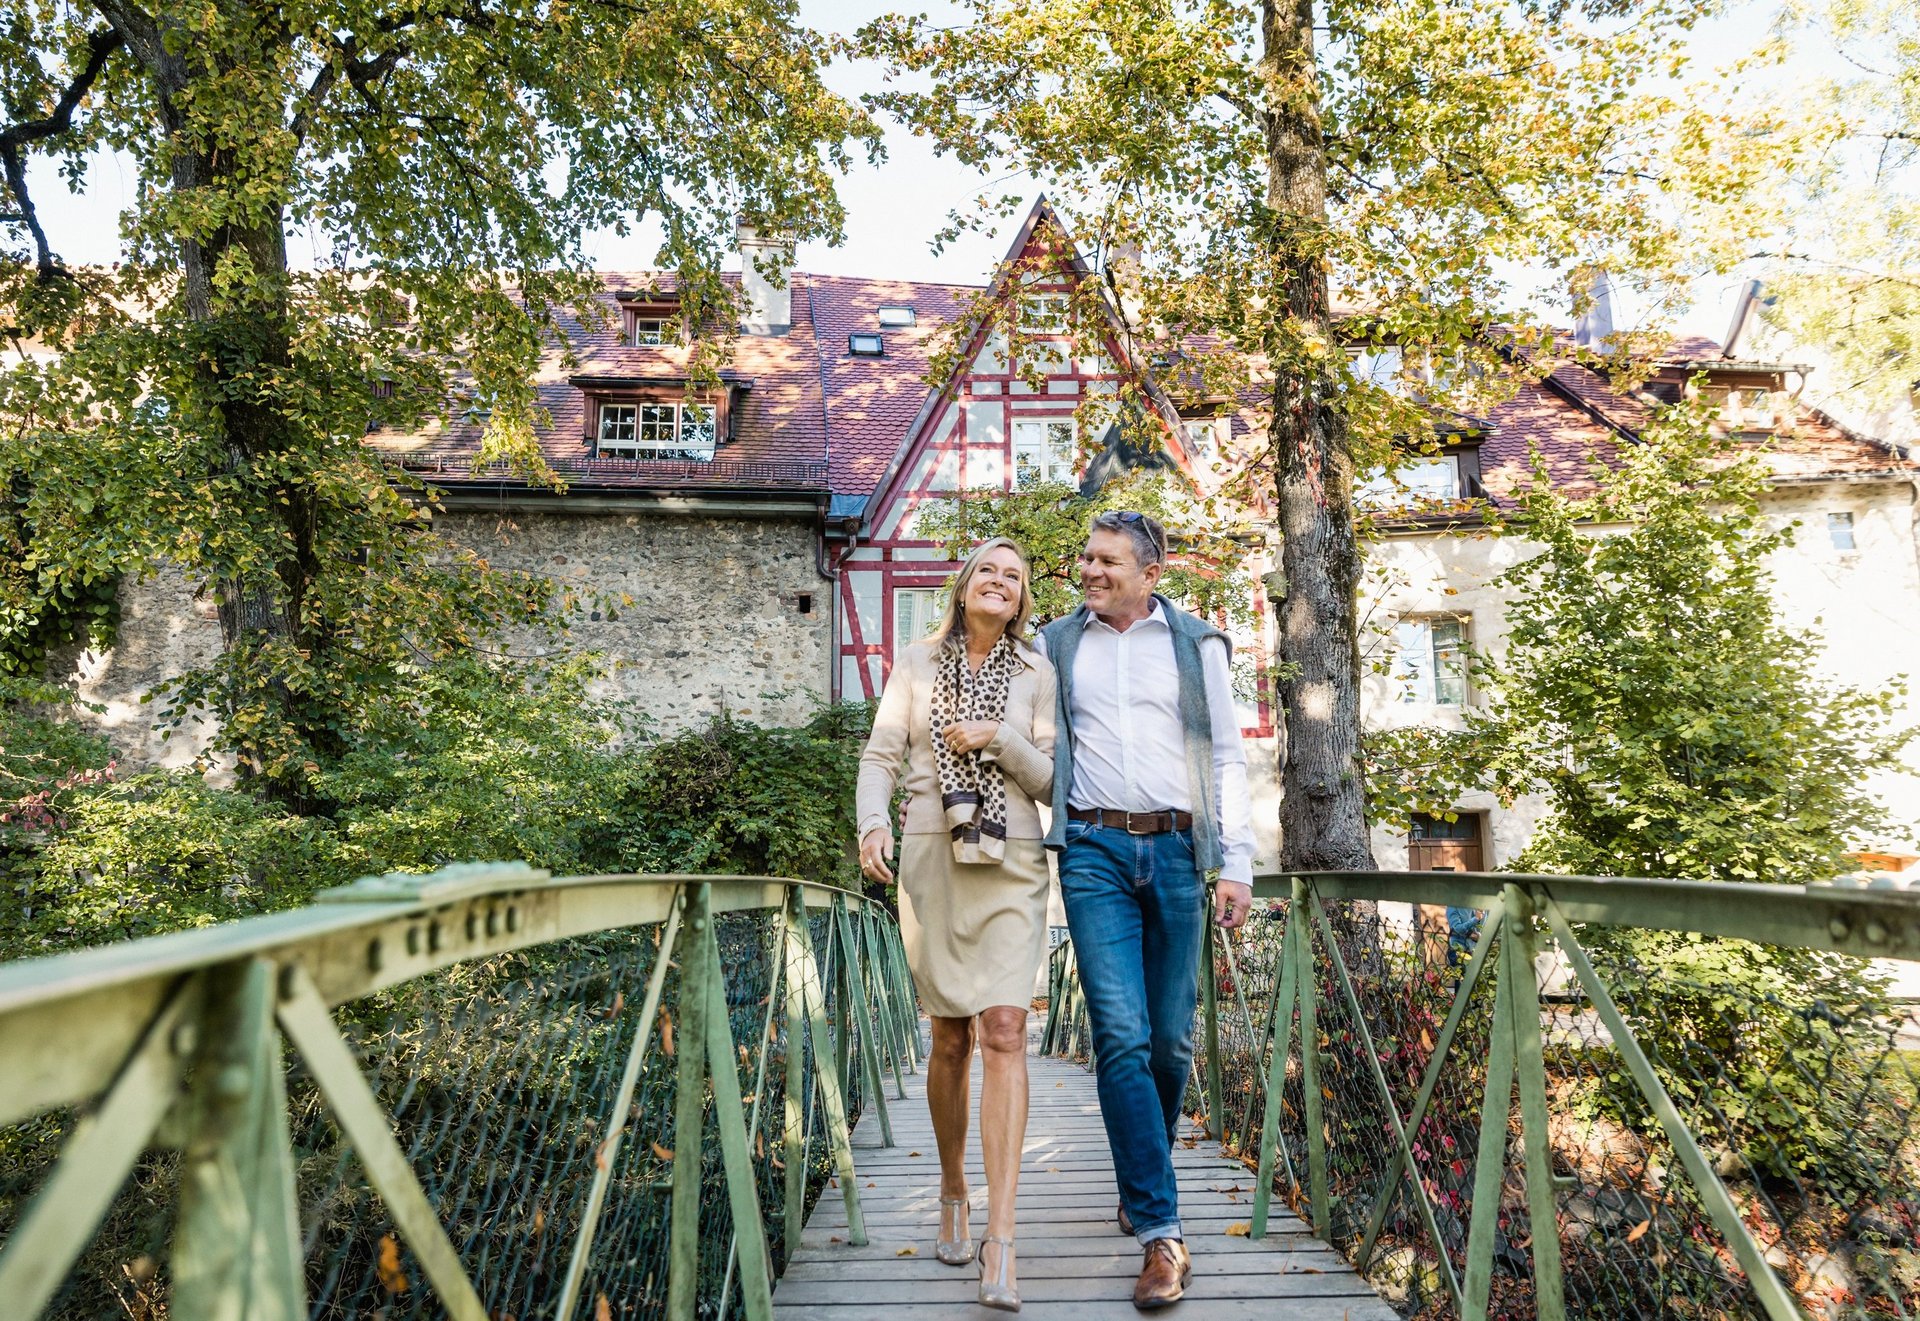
x: 1121, y: 717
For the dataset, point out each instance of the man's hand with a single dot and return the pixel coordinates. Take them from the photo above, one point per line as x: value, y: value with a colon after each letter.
x: 876, y: 850
x: 965, y: 736
x: 1232, y: 901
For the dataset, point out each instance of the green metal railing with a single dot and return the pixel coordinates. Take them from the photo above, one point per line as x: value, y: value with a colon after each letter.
x: 478, y: 1094
x: 1716, y: 1091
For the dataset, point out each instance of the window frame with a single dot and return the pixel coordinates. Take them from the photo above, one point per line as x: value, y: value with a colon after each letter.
x: 1443, y: 678
x: 658, y: 430
x: 896, y: 316
x: 1056, y: 322
x: 930, y: 598
x: 1839, y: 522
x: 856, y: 338
x: 1049, y: 457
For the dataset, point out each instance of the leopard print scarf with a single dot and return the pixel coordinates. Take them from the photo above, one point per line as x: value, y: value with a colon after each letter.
x: 973, y: 792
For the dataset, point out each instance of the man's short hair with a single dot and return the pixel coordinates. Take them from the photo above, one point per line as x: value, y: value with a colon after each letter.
x: 1143, y: 530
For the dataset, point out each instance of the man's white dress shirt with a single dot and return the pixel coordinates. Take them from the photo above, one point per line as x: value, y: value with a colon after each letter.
x: 1129, y: 751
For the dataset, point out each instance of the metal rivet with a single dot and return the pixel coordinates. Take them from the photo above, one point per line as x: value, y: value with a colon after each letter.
x: 1839, y: 927
x: 493, y: 923
x: 413, y: 940
x: 433, y: 937
x: 1876, y: 931
x: 374, y: 955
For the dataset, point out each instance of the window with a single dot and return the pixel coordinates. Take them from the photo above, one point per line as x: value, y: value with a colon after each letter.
x: 659, y: 431
x: 698, y: 428
x: 865, y: 345
x: 1840, y: 531
x: 616, y: 427
x: 915, y: 611
x: 1042, y: 452
x: 652, y: 330
x: 1203, y: 434
x: 1409, y: 483
x: 896, y: 315
x: 1744, y: 407
x: 1044, y: 314
x: 1429, y: 662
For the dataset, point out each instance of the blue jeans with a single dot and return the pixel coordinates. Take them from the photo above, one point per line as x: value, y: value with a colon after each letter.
x: 1137, y: 909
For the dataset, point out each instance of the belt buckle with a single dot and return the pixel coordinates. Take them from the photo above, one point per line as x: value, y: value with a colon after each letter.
x: 1130, y: 827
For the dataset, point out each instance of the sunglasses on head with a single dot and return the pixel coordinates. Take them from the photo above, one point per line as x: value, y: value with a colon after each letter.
x: 1133, y: 517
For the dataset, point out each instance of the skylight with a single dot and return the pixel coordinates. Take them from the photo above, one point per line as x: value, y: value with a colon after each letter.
x: 896, y: 314
x: 865, y: 345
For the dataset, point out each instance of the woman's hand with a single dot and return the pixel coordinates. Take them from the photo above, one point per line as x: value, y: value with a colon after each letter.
x: 965, y: 736
x: 876, y: 850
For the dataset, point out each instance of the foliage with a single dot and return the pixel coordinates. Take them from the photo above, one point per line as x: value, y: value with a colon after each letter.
x: 1675, y: 727
x: 203, y: 403
x: 1050, y: 522
x: 1843, y: 273
x: 1244, y: 171
x: 736, y: 798
x: 485, y: 761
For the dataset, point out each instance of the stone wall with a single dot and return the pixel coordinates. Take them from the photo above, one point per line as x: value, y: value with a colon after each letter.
x: 712, y: 613
x: 725, y: 612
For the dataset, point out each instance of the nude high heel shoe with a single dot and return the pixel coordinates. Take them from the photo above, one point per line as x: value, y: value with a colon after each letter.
x: 954, y: 1246
x: 998, y: 1293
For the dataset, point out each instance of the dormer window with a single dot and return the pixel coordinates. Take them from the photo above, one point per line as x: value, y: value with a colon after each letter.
x: 896, y: 314
x: 1410, y: 483
x: 658, y: 431
x: 651, y: 322
x: 863, y: 344
x: 651, y: 330
x: 1744, y: 407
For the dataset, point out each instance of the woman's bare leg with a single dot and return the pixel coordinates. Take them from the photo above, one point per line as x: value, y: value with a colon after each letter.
x: 1003, y: 1117
x: 950, y: 1097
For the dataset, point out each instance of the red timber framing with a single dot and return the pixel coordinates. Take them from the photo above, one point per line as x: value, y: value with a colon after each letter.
x: 963, y: 442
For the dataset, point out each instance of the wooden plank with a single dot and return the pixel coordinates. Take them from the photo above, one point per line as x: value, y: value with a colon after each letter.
x: 1073, y: 1263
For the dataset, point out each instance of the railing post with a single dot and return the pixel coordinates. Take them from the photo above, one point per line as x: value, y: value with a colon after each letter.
x: 1530, y: 1062
x: 683, y: 1241
x: 1309, y: 991
x: 807, y: 977
x: 236, y: 1252
x: 853, y: 986
x: 1489, y: 1170
x: 794, y: 1135
x: 1285, y: 1000
x: 1210, y: 1011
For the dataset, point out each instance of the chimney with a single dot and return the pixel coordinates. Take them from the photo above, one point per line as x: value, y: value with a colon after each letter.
x: 766, y: 280
x: 1593, y: 328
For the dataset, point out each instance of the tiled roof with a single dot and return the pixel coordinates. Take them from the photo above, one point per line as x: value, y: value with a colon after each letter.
x: 813, y: 417
x: 870, y: 402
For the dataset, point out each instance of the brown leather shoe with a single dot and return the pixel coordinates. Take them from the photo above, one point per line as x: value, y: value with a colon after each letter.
x: 1163, y: 1274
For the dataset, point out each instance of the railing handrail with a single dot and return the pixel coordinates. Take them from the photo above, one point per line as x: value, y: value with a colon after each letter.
x: 68, y: 1020
x: 1872, y: 920
x: 184, y: 1041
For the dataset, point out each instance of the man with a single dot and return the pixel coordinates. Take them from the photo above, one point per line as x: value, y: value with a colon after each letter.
x: 1149, y: 795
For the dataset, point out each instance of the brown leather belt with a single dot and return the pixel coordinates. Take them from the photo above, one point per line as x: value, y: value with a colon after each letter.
x: 1134, y: 823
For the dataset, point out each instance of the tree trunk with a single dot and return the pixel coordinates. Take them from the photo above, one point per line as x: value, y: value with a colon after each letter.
x: 246, y: 358
x: 1322, y: 820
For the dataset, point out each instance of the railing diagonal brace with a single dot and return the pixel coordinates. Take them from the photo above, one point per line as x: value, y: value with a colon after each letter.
x: 1719, y: 1203
x: 736, y: 1155
x: 609, y: 1151
x: 94, y: 1162
x: 813, y: 995
x: 1462, y: 997
x: 304, y: 1018
x: 1285, y: 1003
x: 1404, y: 1151
x: 1490, y: 1162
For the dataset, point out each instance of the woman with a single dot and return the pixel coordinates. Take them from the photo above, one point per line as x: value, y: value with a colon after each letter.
x: 970, y: 711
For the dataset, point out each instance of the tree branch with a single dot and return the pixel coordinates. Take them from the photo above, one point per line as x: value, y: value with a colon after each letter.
x: 100, y: 46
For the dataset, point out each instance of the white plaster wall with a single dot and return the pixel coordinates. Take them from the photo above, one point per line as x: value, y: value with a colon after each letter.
x: 1863, y: 605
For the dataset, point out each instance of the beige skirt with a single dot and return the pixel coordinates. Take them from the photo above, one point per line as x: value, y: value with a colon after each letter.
x: 975, y: 935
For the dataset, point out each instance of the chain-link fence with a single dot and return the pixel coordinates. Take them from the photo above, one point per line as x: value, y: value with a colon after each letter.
x: 538, y: 1098
x: 1715, y: 1125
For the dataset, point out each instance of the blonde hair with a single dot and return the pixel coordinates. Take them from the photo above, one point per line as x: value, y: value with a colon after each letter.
x: 950, y: 634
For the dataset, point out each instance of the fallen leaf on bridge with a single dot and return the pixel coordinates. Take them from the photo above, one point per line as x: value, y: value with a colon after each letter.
x: 663, y: 1153
x: 1239, y: 1229
x: 908, y: 1251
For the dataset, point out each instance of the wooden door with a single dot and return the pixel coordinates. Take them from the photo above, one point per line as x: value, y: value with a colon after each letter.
x: 1437, y: 844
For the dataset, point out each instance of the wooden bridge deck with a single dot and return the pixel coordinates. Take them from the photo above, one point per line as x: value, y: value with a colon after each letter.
x: 1073, y: 1263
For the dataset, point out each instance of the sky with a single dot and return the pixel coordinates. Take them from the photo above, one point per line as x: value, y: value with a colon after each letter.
x: 893, y: 209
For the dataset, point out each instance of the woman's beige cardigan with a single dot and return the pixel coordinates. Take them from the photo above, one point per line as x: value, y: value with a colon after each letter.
x: 902, y: 731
